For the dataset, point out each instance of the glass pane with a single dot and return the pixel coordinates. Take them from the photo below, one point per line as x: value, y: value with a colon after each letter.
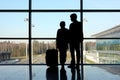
x: 14, y: 52
x: 13, y: 25
x: 39, y: 51
x: 14, y: 73
x: 101, y: 4
x: 101, y: 25
x: 45, y: 25
x: 53, y: 4
x: 56, y: 73
x: 102, y: 51
x: 13, y: 4
x: 104, y: 72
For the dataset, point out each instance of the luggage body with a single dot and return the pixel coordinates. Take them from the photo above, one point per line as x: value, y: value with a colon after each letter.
x: 52, y: 57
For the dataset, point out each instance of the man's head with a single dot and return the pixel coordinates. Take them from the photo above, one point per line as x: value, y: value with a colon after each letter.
x: 62, y: 24
x: 73, y: 17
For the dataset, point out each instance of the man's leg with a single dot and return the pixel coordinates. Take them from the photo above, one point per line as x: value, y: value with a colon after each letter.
x: 72, y: 55
x: 78, y: 54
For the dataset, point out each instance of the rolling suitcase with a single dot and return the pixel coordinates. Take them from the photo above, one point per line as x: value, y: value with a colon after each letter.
x: 52, y: 57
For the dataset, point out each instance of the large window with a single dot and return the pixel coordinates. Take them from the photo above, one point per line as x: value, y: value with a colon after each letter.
x: 29, y: 28
x: 101, y: 39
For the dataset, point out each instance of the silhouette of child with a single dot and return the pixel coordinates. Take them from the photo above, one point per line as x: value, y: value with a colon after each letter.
x: 62, y: 42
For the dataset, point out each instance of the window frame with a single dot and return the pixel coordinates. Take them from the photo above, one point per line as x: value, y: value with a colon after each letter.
x: 30, y: 11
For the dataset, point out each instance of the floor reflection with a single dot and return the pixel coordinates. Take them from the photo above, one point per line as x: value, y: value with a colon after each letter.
x: 53, y: 74
x: 102, y: 72
x: 63, y: 75
x: 74, y: 71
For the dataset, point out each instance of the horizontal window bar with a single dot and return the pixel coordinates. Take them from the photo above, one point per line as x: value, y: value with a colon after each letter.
x: 100, y: 10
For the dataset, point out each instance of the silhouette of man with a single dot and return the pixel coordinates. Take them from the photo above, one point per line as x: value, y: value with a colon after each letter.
x: 62, y: 42
x: 75, y: 39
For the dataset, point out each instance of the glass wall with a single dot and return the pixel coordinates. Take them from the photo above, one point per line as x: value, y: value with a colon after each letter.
x: 102, y: 51
x: 108, y: 45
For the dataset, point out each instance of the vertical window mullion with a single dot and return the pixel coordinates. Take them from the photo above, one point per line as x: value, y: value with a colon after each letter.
x: 30, y: 60
x: 81, y: 19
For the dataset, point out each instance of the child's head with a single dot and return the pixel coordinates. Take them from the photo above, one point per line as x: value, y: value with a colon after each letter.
x: 62, y: 24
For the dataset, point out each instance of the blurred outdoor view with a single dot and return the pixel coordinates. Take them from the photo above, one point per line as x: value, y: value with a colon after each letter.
x: 100, y: 51
x: 14, y: 52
